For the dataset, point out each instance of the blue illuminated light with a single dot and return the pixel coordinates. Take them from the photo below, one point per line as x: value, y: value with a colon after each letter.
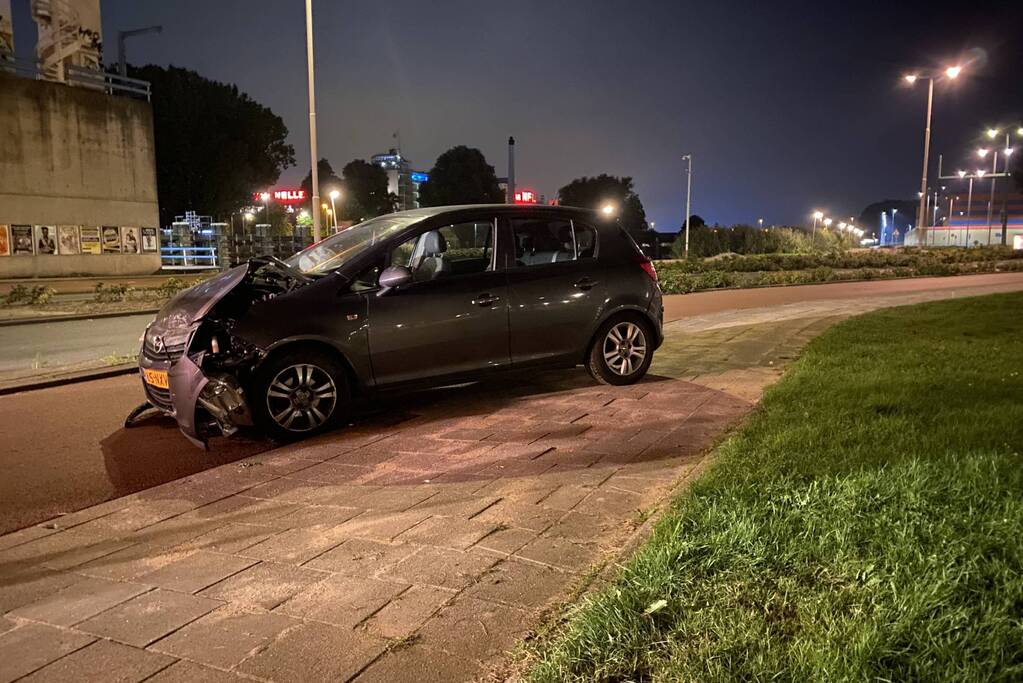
x: 420, y: 177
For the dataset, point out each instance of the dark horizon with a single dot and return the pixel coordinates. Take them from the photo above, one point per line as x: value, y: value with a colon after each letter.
x: 798, y: 105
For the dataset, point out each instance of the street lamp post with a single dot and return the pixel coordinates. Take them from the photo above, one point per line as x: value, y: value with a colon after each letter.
x: 265, y: 196
x: 689, y: 193
x: 314, y: 158
x: 334, y: 194
x: 817, y: 215
x: 952, y: 73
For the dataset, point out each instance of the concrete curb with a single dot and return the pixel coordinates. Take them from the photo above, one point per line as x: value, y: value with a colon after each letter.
x: 34, y: 383
x: 74, y: 316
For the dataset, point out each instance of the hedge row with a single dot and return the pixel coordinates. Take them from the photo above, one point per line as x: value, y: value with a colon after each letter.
x: 675, y: 280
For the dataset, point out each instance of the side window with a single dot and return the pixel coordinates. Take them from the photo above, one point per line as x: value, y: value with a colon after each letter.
x: 543, y: 240
x: 457, y: 249
x: 585, y: 240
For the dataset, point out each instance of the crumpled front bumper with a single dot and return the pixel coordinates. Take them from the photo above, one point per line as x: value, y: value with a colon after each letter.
x: 201, y: 405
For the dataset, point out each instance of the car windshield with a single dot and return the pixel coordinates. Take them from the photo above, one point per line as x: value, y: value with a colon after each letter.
x: 336, y: 250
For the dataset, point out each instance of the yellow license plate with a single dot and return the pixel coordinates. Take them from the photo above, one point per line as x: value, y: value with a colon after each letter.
x: 157, y: 378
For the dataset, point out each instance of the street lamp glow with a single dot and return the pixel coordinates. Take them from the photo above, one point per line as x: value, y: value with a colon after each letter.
x: 1008, y: 151
x: 607, y: 209
x: 827, y: 222
x: 249, y: 215
x: 980, y: 172
x: 818, y: 215
x: 992, y: 132
x: 264, y: 196
x: 982, y: 152
x: 962, y: 174
x: 911, y: 78
x: 843, y: 225
x: 334, y: 194
x: 953, y: 71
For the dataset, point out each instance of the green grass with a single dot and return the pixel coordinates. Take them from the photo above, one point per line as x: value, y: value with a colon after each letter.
x: 865, y: 524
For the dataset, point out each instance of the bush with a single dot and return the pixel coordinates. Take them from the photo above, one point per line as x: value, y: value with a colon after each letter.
x: 20, y: 294
x: 111, y: 294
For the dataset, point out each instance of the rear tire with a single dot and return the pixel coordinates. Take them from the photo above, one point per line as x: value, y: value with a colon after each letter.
x: 621, y: 351
x: 298, y: 394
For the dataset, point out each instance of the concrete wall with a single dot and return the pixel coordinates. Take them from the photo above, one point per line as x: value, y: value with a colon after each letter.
x: 75, y: 156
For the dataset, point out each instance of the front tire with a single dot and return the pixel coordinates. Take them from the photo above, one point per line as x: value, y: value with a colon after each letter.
x: 298, y: 394
x: 621, y: 351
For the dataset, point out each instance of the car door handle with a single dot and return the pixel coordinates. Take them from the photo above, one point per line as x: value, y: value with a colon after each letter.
x: 485, y: 300
x: 585, y: 284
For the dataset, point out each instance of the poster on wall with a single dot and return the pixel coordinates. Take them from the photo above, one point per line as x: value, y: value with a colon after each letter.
x: 5, y: 240
x: 21, y: 240
x: 150, y: 241
x: 91, y: 240
x: 67, y: 240
x: 130, y: 243
x: 68, y: 34
x: 111, y: 239
x: 6, y: 31
x: 46, y: 239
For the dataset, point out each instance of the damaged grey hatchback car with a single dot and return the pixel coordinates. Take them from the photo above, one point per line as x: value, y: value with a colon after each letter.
x: 424, y: 297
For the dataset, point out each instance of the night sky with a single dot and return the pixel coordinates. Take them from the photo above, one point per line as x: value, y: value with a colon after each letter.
x: 785, y: 106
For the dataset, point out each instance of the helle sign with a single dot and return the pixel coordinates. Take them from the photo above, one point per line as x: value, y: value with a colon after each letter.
x: 281, y: 196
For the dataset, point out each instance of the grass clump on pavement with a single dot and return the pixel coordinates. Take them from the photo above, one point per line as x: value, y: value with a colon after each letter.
x: 865, y: 524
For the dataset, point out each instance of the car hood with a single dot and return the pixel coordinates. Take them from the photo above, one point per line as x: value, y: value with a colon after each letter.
x: 192, y: 304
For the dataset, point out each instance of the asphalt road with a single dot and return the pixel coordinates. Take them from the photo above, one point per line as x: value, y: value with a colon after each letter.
x: 65, y: 448
x: 31, y: 349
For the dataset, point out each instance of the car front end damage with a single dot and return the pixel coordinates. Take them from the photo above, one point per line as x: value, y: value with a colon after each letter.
x: 193, y: 365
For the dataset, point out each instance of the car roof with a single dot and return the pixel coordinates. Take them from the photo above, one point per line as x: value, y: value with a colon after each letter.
x: 429, y: 212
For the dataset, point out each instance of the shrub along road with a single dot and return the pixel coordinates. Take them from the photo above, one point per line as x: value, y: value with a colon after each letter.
x: 864, y: 525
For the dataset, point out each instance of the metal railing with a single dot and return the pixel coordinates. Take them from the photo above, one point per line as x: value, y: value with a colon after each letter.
x: 188, y: 258
x: 107, y: 82
x: 111, y: 83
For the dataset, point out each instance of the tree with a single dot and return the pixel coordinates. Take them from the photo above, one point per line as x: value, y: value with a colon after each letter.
x: 215, y: 146
x: 326, y: 178
x: 593, y: 193
x: 695, y: 221
x: 461, y: 175
x: 365, y: 191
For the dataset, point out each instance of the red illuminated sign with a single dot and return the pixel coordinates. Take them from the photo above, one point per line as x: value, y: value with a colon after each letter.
x: 525, y: 197
x: 282, y: 196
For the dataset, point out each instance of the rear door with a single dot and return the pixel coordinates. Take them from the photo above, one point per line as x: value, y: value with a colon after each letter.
x: 556, y: 287
x: 452, y: 319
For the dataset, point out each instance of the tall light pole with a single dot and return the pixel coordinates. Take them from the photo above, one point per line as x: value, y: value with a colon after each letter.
x: 921, y: 214
x: 991, y: 202
x: 265, y: 196
x: 689, y: 195
x: 817, y: 215
x: 122, y: 36
x: 334, y: 194
x: 314, y: 158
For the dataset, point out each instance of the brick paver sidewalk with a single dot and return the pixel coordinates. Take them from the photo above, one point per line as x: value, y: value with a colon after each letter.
x: 419, y: 545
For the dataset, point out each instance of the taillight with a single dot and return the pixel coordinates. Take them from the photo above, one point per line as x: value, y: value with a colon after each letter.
x: 648, y: 267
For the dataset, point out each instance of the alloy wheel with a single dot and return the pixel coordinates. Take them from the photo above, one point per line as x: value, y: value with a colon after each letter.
x: 624, y: 348
x: 301, y: 397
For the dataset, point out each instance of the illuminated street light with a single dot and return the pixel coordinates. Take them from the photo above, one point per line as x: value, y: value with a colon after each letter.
x: 334, y: 194
x: 952, y: 73
x: 607, y: 209
x: 827, y: 222
x: 962, y: 174
x: 982, y: 152
x: 992, y: 132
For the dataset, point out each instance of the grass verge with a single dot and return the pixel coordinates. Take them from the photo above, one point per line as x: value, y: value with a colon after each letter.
x: 865, y: 524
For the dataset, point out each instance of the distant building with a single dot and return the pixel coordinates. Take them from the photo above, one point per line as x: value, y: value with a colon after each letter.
x: 402, y: 181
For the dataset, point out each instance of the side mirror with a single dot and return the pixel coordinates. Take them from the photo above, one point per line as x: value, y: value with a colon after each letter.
x: 392, y: 278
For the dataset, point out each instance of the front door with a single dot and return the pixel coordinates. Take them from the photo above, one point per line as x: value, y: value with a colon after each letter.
x: 452, y: 319
x: 556, y: 286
